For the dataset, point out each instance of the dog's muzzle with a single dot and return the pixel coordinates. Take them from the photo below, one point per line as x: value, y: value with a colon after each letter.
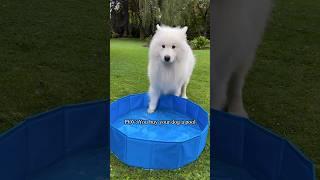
x: 167, y: 58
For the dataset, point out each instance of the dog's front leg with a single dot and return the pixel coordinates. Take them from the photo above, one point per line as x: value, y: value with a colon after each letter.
x: 184, y: 90
x: 154, y: 97
x: 177, y: 92
x: 235, y: 102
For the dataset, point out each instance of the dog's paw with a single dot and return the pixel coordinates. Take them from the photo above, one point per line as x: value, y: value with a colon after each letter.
x: 185, y: 97
x: 150, y: 110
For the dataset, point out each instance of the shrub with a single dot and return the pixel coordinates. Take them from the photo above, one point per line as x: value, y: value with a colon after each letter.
x: 200, y: 42
x: 147, y: 41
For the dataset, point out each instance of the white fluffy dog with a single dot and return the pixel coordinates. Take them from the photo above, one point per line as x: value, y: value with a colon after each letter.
x: 236, y: 32
x: 171, y: 63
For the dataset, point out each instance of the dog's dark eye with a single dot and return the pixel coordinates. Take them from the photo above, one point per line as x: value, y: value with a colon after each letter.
x: 173, y: 46
x: 163, y: 46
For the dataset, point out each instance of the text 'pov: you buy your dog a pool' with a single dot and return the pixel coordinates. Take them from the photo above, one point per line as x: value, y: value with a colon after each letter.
x: 158, y: 122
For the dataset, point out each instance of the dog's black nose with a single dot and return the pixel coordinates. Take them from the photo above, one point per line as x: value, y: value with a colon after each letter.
x: 167, y: 58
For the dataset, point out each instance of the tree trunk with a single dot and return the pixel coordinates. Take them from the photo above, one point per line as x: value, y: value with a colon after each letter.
x: 141, y: 34
x: 126, y: 18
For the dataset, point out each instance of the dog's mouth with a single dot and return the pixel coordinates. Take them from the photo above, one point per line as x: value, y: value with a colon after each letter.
x: 167, y: 62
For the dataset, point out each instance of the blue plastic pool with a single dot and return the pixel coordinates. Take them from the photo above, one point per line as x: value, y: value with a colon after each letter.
x: 70, y: 143
x: 244, y: 150
x: 171, y: 137
x: 65, y: 143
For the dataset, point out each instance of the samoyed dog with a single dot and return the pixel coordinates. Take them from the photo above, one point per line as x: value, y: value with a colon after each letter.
x: 236, y: 31
x: 171, y: 63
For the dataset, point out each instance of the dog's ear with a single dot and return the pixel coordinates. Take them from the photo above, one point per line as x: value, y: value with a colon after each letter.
x: 185, y: 29
x: 158, y: 27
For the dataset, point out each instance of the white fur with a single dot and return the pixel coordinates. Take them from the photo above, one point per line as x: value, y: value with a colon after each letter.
x: 169, y: 77
x: 237, y: 30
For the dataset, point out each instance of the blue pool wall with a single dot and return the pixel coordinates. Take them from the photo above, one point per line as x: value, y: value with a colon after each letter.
x: 241, y: 142
x: 44, y: 139
x: 153, y: 154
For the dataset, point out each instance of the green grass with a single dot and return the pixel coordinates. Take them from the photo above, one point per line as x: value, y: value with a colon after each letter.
x: 52, y: 53
x: 129, y: 75
x: 283, y: 88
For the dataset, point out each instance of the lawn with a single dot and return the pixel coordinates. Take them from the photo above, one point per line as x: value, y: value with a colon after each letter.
x: 283, y: 88
x: 129, y: 75
x: 52, y: 53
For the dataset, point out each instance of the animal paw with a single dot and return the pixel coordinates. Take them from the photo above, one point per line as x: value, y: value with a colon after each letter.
x: 185, y: 97
x: 150, y: 110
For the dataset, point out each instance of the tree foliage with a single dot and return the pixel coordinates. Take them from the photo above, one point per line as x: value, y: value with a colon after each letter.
x: 138, y: 18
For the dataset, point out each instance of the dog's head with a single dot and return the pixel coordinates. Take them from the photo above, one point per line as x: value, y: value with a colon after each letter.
x: 169, y: 43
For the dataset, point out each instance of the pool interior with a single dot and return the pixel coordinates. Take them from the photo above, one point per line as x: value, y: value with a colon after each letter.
x: 225, y: 171
x: 162, y: 125
x: 88, y: 164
